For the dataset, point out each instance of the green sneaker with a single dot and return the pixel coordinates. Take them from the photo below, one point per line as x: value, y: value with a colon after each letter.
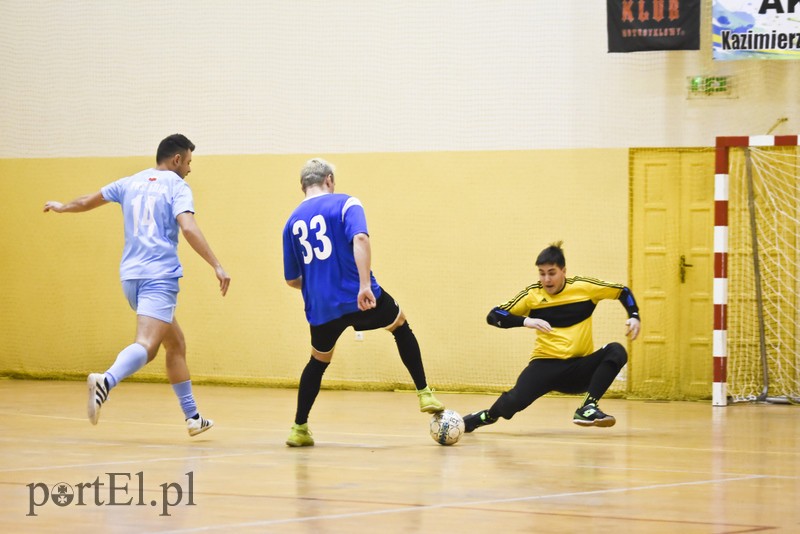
x: 591, y: 415
x: 300, y: 436
x: 427, y: 402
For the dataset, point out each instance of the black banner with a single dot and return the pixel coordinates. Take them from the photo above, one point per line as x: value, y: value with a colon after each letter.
x: 642, y: 25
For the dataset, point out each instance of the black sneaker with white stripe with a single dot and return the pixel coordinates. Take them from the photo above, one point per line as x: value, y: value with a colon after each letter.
x: 477, y: 419
x: 98, y: 394
x: 592, y: 415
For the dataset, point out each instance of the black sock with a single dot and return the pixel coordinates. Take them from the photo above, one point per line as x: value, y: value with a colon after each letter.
x: 601, y: 380
x: 310, y: 383
x: 614, y: 360
x: 408, y: 347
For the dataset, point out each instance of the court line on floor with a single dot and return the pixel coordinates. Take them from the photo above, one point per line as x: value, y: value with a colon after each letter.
x: 497, y: 436
x: 128, y: 462
x: 270, y: 452
x: 468, y: 504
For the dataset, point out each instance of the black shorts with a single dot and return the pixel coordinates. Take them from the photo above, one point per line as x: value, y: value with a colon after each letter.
x: 385, y: 312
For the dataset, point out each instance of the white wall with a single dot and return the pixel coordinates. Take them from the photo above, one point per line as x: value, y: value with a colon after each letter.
x: 100, y: 78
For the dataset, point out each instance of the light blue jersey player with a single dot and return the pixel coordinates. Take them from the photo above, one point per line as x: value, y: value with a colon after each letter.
x: 327, y: 255
x: 151, y: 202
x: 155, y: 204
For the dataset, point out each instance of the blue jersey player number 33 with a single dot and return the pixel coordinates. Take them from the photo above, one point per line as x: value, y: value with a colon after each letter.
x: 319, y: 226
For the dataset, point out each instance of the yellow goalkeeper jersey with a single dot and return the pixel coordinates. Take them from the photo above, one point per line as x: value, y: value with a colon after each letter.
x: 569, y: 312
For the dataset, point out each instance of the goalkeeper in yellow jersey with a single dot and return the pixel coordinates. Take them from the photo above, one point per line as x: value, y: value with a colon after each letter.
x: 563, y: 359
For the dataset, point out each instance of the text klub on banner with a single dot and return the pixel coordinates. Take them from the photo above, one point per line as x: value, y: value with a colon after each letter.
x: 644, y: 25
x: 756, y: 29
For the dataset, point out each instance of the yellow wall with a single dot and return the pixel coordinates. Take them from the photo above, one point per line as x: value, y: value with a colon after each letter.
x: 453, y: 234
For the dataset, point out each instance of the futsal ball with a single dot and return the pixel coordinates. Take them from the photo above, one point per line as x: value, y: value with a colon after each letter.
x: 447, y: 427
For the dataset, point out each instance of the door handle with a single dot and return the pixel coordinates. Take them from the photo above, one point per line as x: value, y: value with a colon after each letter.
x: 683, y: 266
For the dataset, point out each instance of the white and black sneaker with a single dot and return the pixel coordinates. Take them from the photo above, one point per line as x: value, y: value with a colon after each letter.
x: 198, y: 424
x: 98, y: 394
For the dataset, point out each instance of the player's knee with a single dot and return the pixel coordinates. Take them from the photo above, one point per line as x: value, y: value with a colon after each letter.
x: 175, y: 347
x: 398, y: 322
x: 617, y: 354
x: 324, y: 357
x: 151, y: 348
x: 402, y: 330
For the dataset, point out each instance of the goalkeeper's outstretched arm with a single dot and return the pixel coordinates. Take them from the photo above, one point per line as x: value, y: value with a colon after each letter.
x: 634, y: 321
x: 502, y: 319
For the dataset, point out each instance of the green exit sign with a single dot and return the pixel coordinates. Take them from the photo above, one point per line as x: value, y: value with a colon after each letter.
x: 710, y: 86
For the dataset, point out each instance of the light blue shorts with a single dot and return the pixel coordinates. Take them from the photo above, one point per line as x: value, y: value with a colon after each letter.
x: 152, y: 298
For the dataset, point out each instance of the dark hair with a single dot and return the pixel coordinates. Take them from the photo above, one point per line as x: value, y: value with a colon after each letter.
x: 174, y: 144
x: 553, y: 254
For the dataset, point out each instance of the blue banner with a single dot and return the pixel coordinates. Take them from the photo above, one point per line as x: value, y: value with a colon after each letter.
x: 756, y: 29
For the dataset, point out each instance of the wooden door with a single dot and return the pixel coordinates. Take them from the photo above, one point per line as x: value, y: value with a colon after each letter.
x: 672, y: 212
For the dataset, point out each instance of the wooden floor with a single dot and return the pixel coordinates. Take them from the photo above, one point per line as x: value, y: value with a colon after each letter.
x: 664, y: 468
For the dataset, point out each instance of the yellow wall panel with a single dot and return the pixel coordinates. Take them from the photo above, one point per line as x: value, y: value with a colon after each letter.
x: 453, y: 234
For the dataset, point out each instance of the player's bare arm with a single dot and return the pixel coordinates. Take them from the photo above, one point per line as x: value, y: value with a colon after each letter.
x: 297, y: 283
x: 198, y: 242
x: 362, y: 252
x: 80, y: 204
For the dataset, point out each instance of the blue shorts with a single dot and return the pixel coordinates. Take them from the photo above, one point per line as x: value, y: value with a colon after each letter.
x: 152, y: 298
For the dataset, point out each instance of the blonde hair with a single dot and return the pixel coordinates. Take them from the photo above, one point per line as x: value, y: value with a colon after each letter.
x: 314, y: 172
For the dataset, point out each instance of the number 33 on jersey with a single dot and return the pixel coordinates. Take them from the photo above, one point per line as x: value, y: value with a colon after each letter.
x: 318, y: 226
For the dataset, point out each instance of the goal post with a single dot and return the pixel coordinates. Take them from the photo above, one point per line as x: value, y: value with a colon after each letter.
x: 756, y: 339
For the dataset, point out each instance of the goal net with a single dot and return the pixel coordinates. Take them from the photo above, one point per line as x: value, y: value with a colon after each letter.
x: 762, y: 271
